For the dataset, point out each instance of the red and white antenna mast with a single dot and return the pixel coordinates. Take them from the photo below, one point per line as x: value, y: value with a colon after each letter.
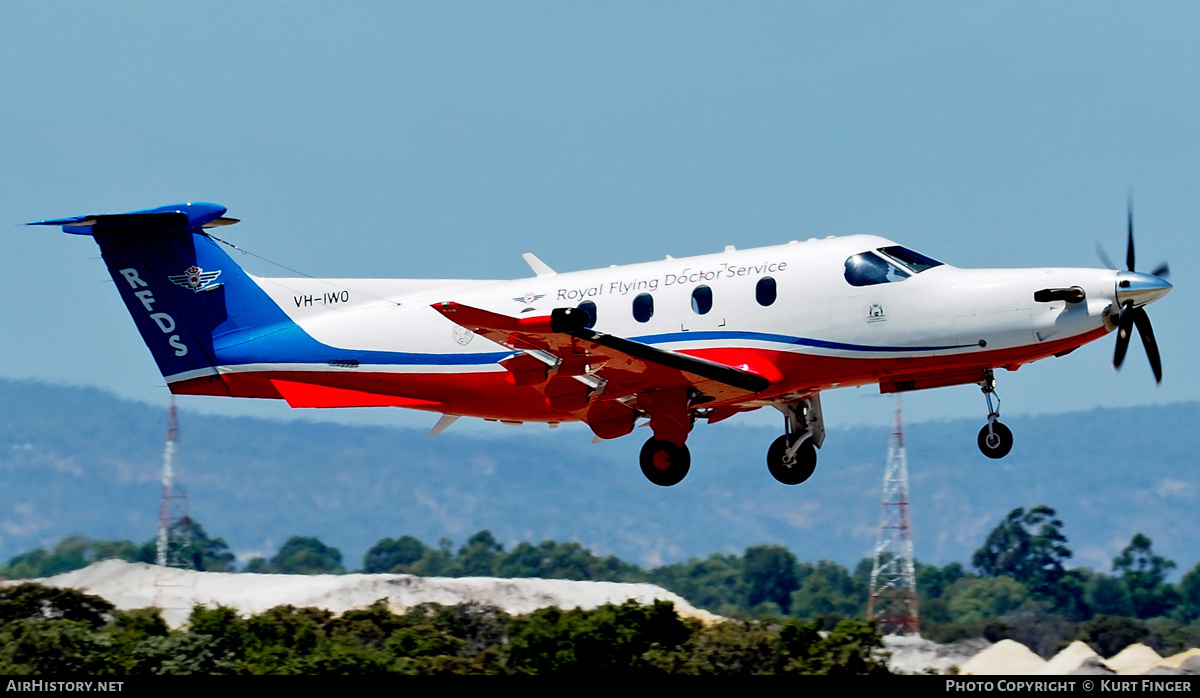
x: 174, y: 505
x: 893, y: 602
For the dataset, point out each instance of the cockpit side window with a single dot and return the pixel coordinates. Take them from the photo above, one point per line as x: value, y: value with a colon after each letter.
x: 868, y: 269
x: 914, y: 261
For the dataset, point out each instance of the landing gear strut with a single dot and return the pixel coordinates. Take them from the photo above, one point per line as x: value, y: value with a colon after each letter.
x: 995, y: 439
x: 792, y: 457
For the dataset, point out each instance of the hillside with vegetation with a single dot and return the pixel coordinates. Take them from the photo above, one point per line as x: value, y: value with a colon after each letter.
x: 1017, y: 585
x: 78, y: 460
x: 61, y: 632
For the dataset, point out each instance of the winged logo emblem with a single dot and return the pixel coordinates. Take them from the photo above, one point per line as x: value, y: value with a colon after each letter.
x: 529, y: 298
x: 195, y: 278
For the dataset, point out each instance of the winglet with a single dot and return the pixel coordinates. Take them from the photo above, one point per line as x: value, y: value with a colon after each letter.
x: 538, y: 266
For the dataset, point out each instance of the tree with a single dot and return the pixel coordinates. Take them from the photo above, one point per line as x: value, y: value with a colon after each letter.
x: 932, y: 581
x: 828, y: 590
x: 852, y: 648
x: 435, y: 562
x: 31, y: 600
x: 130, y: 631
x: 1028, y: 546
x: 72, y: 553
x: 552, y: 560
x: 393, y: 555
x: 1108, y: 596
x: 769, y: 573
x: 1143, y: 573
x: 1069, y: 596
x: 478, y: 556
x: 715, y: 583
x: 732, y: 648
x: 607, y: 640
x: 1109, y: 635
x: 188, y: 543
x: 1189, y: 595
x: 301, y: 555
x: 975, y: 600
x: 53, y: 648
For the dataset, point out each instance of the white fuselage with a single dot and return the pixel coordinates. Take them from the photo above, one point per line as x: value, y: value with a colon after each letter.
x: 848, y: 335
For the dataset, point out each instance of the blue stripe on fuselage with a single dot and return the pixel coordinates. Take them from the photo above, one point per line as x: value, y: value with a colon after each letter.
x: 783, y: 339
x: 287, y: 343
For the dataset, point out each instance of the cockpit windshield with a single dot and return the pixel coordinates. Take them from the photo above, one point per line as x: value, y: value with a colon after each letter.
x: 886, y: 265
x: 915, y: 261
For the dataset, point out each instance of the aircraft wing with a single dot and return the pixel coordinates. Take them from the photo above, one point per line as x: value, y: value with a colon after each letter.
x: 560, y: 344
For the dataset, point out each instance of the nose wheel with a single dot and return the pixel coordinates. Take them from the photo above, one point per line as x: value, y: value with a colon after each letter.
x: 792, y: 458
x: 995, y: 439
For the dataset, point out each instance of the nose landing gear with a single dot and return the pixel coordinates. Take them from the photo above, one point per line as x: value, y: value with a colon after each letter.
x: 995, y: 439
x: 792, y: 458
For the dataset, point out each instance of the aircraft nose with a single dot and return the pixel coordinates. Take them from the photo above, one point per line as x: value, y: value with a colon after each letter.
x: 1140, y: 288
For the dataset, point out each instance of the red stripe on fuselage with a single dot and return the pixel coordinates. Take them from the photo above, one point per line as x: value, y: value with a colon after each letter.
x: 489, y: 395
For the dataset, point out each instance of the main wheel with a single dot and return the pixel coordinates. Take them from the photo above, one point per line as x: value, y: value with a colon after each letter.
x: 795, y: 470
x: 996, y: 444
x: 664, y: 463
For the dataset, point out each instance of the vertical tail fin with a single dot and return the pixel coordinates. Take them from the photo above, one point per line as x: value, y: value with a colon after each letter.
x: 186, y: 296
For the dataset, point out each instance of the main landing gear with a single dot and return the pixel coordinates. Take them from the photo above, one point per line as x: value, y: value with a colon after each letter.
x: 665, y: 458
x: 792, y: 457
x: 995, y: 439
x: 664, y: 463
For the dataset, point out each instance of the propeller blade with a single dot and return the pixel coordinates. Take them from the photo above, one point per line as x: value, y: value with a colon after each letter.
x: 1129, y: 249
x: 1147, y: 332
x: 1123, y: 330
x: 1162, y: 271
x: 1104, y: 256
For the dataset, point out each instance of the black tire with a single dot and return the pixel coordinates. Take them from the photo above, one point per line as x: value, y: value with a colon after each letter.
x: 1000, y: 443
x: 664, y: 463
x: 800, y: 469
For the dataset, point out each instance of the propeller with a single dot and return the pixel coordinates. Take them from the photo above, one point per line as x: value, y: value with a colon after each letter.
x: 1148, y: 286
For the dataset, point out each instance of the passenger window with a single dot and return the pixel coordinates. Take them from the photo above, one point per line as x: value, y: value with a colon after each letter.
x: 702, y: 300
x: 868, y: 269
x: 589, y: 308
x: 643, y: 307
x: 765, y: 291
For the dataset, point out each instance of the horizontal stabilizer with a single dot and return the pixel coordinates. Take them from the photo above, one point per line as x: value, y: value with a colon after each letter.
x: 156, y: 220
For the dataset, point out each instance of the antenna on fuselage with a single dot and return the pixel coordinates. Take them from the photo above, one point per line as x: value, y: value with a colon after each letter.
x: 538, y: 266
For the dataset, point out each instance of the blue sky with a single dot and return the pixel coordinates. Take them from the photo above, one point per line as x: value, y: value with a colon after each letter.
x: 389, y: 139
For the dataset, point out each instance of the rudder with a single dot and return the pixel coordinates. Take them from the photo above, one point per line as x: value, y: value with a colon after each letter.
x: 187, y: 297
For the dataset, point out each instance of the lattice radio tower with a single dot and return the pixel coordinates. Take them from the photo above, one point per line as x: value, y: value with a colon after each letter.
x: 173, y: 530
x: 893, y: 602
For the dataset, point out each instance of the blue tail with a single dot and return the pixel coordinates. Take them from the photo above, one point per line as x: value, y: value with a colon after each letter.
x: 187, y: 297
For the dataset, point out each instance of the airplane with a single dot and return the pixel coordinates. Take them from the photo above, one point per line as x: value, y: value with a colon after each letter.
x: 674, y: 341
